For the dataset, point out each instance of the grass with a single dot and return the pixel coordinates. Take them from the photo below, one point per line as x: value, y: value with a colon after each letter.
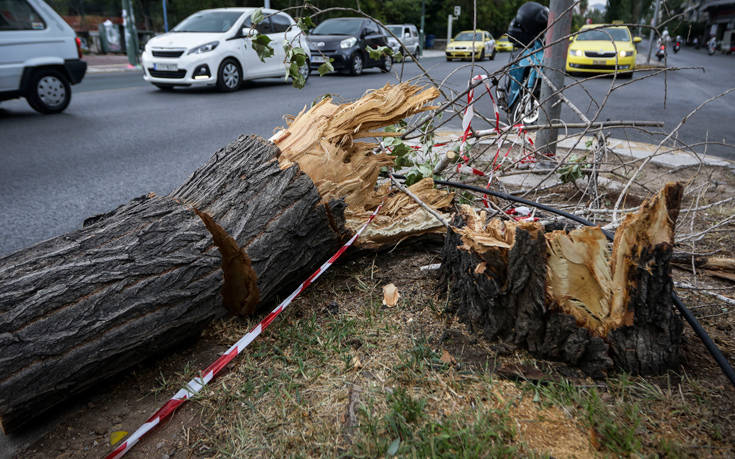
x: 341, y: 375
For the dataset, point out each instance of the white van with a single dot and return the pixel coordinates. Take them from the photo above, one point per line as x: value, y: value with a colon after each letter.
x: 214, y: 47
x: 40, y: 55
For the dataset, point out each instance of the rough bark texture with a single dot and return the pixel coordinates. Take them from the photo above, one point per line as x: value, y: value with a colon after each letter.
x: 506, y: 300
x: 564, y: 296
x: 133, y: 283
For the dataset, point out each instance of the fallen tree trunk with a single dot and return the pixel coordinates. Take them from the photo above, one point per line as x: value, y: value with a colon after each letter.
x: 80, y: 308
x: 563, y: 296
x: 252, y: 222
x: 721, y: 267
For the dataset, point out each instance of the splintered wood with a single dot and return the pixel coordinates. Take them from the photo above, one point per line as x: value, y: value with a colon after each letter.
x: 322, y: 141
x: 594, y: 309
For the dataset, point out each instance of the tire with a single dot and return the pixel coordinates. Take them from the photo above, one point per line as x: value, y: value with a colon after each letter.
x: 49, y: 91
x: 449, y: 59
x: 356, y: 64
x: 387, y: 64
x: 482, y: 55
x: 416, y: 53
x: 527, y: 109
x: 492, y: 56
x: 164, y: 87
x: 229, y: 76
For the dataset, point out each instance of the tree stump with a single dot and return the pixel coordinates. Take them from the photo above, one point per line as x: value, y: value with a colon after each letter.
x: 80, y: 308
x: 563, y: 296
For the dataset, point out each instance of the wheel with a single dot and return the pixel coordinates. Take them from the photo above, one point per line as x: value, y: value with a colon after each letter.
x: 356, y: 64
x: 527, y: 109
x: 229, y: 76
x: 387, y: 64
x: 492, y: 56
x: 482, y: 55
x: 416, y: 53
x: 449, y: 59
x: 49, y: 91
x: 164, y: 87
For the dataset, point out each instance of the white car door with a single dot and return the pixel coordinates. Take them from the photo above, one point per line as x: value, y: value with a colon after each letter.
x: 283, y: 31
x: 253, y: 67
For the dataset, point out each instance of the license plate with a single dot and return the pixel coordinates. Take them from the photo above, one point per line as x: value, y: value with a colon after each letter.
x: 317, y: 59
x: 599, y: 62
x: 165, y: 67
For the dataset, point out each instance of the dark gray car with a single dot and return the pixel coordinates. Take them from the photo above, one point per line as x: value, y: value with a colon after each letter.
x: 345, y: 40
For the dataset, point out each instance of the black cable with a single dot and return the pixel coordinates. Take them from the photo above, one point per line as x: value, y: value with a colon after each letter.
x: 693, y: 322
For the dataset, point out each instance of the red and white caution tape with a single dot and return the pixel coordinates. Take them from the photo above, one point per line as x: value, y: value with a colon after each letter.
x: 196, y: 384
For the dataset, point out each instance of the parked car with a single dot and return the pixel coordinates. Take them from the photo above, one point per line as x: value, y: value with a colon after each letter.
x: 602, y: 49
x: 461, y: 46
x: 345, y: 40
x: 40, y: 57
x: 408, y: 34
x: 214, y: 48
x: 503, y: 44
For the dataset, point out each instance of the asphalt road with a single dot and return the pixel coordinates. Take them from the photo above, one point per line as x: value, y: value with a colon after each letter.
x: 121, y: 137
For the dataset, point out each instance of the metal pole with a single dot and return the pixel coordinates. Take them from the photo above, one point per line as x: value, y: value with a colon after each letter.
x: 268, y: 4
x: 422, y: 35
x: 555, y: 57
x: 449, y: 28
x: 650, y: 38
x: 165, y: 17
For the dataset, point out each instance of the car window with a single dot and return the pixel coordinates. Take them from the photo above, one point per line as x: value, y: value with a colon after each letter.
x: 339, y: 26
x: 209, y: 21
x: 406, y: 31
x: 605, y: 34
x: 468, y: 36
x: 19, y: 15
x: 263, y: 27
x: 280, y: 23
x: 372, y: 28
x: 490, y: 36
x: 396, y: 30
x: 414, y: 33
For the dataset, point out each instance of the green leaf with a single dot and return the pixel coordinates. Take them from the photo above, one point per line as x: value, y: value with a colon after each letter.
x: 325, y: 68
x: 297, y: 79
x: 261, y: 46
x: 257, y: 16
x: 379, y: 52
x: 305, y: 23
x: 393, y: 448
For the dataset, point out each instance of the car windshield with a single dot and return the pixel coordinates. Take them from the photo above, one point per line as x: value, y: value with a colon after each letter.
x: 338, y: 27
x: 467, y: 36
x: 604, y: 34
x: 209, y: 21
x: 397, y: 30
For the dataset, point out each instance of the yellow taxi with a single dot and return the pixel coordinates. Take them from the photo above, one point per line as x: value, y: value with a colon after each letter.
x: 503, y: 44
x: 600, y: 48
x: 461, y: 46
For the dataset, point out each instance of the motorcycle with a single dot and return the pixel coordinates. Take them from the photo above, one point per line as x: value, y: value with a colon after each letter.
x: 520, y: 93
x: 711, y: 46
x: 661, y: 52
x: 677, y: 46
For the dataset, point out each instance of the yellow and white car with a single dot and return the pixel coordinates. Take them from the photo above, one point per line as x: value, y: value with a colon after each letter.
x: 600, y: 48
x: 503, y: 44
x: 461, y: 47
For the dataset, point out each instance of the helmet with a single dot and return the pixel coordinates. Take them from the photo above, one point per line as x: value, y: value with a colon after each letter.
x: 531, y: 19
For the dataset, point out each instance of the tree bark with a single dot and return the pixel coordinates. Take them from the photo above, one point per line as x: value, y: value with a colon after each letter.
x: 563, y: 296
x: 81, y: 308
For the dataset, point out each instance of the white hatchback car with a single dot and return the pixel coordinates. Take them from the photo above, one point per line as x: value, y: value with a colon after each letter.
x: 214, y: 47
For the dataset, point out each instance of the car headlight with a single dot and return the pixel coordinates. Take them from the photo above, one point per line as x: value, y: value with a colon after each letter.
x: 205, y: 48
x: 576, y: 52
x: 348, y: 42
x: 626, y: 53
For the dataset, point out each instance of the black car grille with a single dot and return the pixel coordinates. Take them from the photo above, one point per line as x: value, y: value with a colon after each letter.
x: 598, y: 67
x: 322, y: 50
x: 167, y: 73
x: 159, y: 53
x: 602, y: 54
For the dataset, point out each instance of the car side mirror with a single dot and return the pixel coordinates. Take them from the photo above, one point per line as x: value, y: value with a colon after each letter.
x: 636, y: 39
x: 247, y: 32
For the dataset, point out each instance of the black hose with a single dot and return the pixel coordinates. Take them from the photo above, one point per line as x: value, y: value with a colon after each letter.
x: 683, y: 310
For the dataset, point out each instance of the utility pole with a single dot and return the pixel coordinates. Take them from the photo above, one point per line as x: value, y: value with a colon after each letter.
x: 268, y: 4
x: 165, y: 17
x: 560, y: 24
x: 450, y: 18
x: 654, y: 22
x: 131, y: 33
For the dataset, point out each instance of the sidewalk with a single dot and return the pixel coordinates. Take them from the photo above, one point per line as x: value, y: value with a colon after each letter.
x: 105, y: 63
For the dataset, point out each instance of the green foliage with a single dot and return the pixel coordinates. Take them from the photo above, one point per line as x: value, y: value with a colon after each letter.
x: 379, y: 52
x: 261, y: 45
x: 326, y: 67
x: 573, y: 169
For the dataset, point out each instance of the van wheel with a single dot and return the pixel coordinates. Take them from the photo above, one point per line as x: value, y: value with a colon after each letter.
x: 229, y: 76
x: 49, y: 91
x: 387, y: 64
